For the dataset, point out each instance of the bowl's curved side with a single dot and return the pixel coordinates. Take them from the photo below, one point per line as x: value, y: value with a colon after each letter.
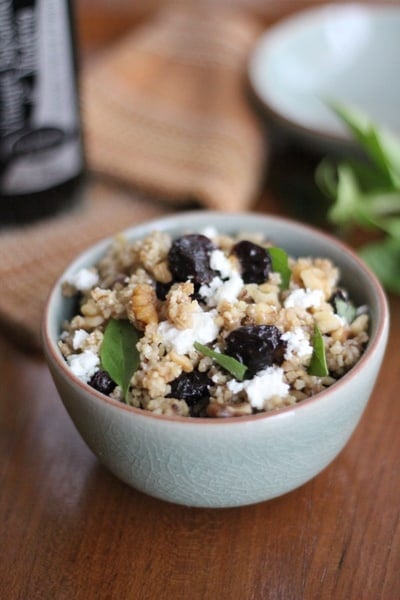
x: 202, y: 465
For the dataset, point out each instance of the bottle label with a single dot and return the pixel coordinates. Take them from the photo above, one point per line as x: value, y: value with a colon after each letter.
x: 40, y: 144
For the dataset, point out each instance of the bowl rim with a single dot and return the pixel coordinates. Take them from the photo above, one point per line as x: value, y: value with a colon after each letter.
x: 297, y: 20
x: 53, y: 354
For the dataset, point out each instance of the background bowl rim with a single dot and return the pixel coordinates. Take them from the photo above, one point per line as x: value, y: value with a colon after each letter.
x: 298, y: 19
x: 53, y: 354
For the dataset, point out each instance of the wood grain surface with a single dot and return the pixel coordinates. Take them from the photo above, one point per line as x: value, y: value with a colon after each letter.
x: 70, y: 530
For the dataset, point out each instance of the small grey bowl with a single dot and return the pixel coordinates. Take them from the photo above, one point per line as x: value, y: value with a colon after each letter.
x: 232, y: 461
x: 339, y: 52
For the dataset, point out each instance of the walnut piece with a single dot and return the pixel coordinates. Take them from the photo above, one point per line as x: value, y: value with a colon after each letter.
x: 180, y: 306
x: 143, y: 305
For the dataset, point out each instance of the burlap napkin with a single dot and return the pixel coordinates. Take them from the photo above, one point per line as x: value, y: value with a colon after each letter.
x: 165, y: 112
x: 32, y: 257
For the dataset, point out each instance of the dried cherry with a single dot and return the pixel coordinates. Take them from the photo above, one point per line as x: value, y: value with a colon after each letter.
x: 192, y: 387
x: 102, y: 382
x: 256, y: 346
x: 189, y: 258
x: 162, y: 289
x: 255, y: 261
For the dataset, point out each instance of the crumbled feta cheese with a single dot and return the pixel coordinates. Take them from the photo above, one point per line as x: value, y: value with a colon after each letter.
x: 236, y: 386
x: 83, y: 280
x: 219, y: 262
x: 80, y: 336
x: 263, y: 386
x: 217, y: 290
x: 210, y: 232
x: 207, y: 291
x: 84, y: 365
x: 230, y: 289
x: 342, y: 320
x: 304, y: 298
x: 297, y: 345
x: 203, y: 330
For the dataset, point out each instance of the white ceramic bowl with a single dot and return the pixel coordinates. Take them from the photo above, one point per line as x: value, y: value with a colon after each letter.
x: 349, y: 53
x: 232, y: 461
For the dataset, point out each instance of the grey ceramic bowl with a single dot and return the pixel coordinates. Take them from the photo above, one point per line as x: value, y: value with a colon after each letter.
x: 341, y: 52
x: 232, y: 461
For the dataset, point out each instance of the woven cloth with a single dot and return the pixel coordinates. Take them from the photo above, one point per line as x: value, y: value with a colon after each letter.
x: 165, y: 112
x: 32, y: 257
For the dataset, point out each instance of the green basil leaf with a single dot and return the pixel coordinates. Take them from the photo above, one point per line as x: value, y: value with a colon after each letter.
x: 345, y: 209
x: 230, y: 364
x: 392, y: 226
x: 326, y: 178
x: 383, y: 148
x: 344, y: 309
x: 280, y: 264
x: 318, y: 365
x: 118, y: 353
x: 370, y: 179
x: 368, y: 194
x: 383, y: 257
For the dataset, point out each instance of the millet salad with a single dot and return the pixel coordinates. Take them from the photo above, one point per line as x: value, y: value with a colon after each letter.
x: 210, y: 325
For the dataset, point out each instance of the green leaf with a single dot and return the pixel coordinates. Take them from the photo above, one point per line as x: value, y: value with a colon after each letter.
x: 318, y: 365
x: 345, y: 209
x: 344, y: 309
x: 367, y: 209
x: 280, y: 264
x: 326, y: 178
x: 383, y: 148
x: 383, y: 203
x: 368, y: 194
x: 230, y: 364
x: 118, y: 353
x: 383, y: 257
x: 392, y: 226
x: 369, y: 178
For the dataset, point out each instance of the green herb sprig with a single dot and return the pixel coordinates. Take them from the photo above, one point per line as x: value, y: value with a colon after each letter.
x: 367, y: 195
x: 118, y: 353
x: 345, y: 309
x: 280, y: 264
x: 318, y: 365
x: 230, y: 364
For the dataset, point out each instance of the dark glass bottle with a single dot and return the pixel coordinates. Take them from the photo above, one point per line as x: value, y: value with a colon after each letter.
x: 41, y: 151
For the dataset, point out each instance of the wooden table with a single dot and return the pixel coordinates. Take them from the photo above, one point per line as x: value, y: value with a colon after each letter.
x: 70, y: 530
